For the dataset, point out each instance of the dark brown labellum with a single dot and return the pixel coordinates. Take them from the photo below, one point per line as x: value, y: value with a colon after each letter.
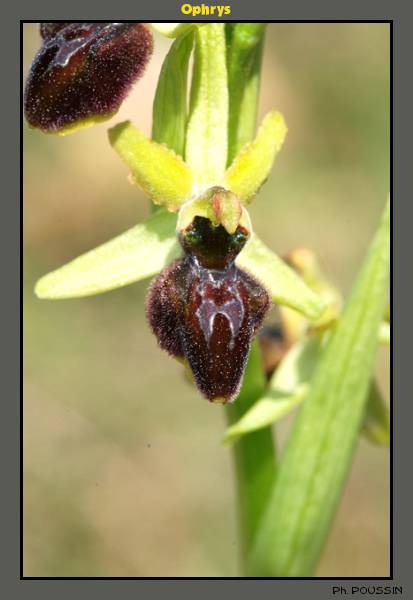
x: 206, y: 310
x: 83, y: 72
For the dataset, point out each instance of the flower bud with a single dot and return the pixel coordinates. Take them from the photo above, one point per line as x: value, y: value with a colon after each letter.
x: 83, y: 72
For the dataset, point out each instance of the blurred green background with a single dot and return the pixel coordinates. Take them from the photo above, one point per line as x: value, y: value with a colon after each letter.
x: 125, y: 473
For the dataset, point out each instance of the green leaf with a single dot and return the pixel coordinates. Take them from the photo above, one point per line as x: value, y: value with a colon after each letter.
x: 376, y: 423
x: 137, y: 254
x: 160, y: 172
x: 244, y: 55
x: 170, y: 104
x: 206, y: 141
x: 319, y: 451
x: 253, y: 164
x: 286, y: 389
x: 282, y: 282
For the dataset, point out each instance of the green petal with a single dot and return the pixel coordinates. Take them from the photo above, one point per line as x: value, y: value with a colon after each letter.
x: 136, y: 254
x: 206, y: 141
x: 282, y: 282
x: 253, y: 164
x: 160, y: 172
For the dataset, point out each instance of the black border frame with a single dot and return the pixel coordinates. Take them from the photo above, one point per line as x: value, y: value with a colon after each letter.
x: 109, y: 578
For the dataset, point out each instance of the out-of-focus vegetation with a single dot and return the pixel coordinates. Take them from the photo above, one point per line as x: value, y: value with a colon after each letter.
x: 125, y: 474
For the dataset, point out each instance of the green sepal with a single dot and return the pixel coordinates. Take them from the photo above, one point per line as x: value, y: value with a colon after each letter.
x: 161, y: 173
x: 206, y: 138
x: 138, y: 253
x: 282, y: 282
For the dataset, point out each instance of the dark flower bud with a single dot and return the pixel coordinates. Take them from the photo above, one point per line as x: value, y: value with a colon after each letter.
x: 83, y: 72
x: 206, y: 310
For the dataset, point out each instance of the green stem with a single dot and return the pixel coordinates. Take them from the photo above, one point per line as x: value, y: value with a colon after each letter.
x: 253, y: 455
x: 206, y: 151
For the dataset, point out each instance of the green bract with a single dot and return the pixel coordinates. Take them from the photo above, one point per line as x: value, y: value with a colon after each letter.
x: 170, y: 103
x: 286, y: 389
x: 244, y: 51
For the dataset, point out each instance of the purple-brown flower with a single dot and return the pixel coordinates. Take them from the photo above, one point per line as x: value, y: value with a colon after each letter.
x: 205, y: 309
x: 83, y: 72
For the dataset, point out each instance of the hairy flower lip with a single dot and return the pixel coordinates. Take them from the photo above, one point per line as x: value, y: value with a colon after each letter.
x: 83, y: 72
x: 205, y: 309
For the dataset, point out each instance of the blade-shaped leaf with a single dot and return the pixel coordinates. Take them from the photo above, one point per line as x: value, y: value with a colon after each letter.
x: 136, y: 254
x: 320, y: 449
x: 170, y: 104
x: 160, y: 172
x: 253, y: 164
x: 282, y: 282
x: 286, y: 389
x: 206, y: 141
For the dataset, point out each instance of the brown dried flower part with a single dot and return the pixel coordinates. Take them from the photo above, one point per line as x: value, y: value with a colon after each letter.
x: 83, y: 72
